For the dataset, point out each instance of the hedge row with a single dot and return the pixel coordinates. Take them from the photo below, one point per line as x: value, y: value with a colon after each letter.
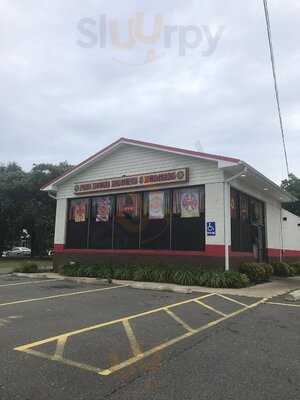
x: 184, y: 275
x: 257, y: 272
x: 284, y: 269
x: 296, y: 267
x: 261, y: 272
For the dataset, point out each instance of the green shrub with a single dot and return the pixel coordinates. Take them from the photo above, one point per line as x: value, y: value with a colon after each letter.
x: 91, y: 271
x: 296, y: 267
x: 141, y: 274
x: 184, y: 275
x: 236, y: 280
x: 292, y: 271
x: 104, y: 272
x: 282, y: 269
x: 257, y: 272
x: 124, y: 272
x: 163, y: 274
x: 228, y: 279
x: 28, y: 268
x: 70, y: 270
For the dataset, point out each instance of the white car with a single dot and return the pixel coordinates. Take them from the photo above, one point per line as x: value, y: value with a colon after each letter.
x: 17, y: 252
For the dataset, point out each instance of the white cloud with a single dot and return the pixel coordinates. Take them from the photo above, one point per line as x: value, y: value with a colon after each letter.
x: 69, y: 101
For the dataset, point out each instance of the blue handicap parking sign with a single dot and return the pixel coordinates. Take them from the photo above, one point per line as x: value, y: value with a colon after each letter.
x: 211, y: 228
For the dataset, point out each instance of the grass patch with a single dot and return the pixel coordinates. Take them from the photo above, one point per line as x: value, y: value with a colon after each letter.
x: 13, y: 263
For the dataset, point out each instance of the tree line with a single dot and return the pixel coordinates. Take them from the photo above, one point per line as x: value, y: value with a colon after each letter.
x: 24, y: 206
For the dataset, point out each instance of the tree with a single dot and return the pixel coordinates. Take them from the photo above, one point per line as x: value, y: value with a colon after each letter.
x: 24, y: 206
x: 292, y: 185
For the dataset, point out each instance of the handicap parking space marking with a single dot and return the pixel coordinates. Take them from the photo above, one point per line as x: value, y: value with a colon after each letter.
x: 136, y: 350
x: 58, y: 296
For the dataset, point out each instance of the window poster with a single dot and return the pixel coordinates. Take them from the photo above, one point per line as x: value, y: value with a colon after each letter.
x: 127, y: 205
x: 176, y: 202
x: 190, y: 203
x: 233, y: 205
x: 244, y: 206
x: 156, y: 205
x: 103, y: 209
x: 78, y: 210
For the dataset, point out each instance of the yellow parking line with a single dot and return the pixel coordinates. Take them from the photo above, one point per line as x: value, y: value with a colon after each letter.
x: 60, y: 295
x: 179, y: 320
x: 210, y: 308
x: 137, y: 356
x: 29, y: 283
x: 131, y: 337
x: 283, y: 304
x: 60, y: 347
x: 64, y: 361
x: 233, y: 300
x: 161, y: 347
x: 104, y: 324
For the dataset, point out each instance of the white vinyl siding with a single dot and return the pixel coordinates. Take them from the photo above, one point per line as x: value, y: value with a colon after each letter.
x: 131, y: 160
x: 291, y: 231
x: 60, y: 221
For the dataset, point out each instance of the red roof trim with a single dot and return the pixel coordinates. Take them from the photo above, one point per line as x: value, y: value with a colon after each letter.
x: 183, y: 151
x: 146, y: 144
x: 83, y: 162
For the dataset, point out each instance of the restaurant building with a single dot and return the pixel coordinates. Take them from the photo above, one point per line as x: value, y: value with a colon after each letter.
x: 141, y: 202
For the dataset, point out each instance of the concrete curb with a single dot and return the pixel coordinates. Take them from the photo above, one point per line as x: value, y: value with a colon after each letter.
x: 269, y: 290
x: 293, y: 296
x: 95, y: 281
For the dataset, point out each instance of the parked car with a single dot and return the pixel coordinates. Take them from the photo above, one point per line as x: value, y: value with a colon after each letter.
x: 17, y: 252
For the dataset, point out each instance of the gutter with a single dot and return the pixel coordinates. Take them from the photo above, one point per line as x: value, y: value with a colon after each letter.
x: 52, y: 196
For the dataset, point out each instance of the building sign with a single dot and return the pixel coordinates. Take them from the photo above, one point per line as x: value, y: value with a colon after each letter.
x: 151, y: 179
x: 211, y: 228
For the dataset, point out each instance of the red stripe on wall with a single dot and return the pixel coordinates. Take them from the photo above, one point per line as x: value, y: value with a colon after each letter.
x: 273, y: 252
x: 59, y: 248
x: 285, y: 253
x: 210, y: 251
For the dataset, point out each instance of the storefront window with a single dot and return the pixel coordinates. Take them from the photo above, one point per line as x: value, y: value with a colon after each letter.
x: 101, y: 225
x: 155, y: 223
x: 188, y: 220
x: 77, y: 226
x: 247, y: 223
x: 159, y: 220
x: 127, y: 221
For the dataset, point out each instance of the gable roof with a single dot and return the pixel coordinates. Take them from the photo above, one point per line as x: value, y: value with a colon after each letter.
x: 232, y: 165
x: 138, y: 143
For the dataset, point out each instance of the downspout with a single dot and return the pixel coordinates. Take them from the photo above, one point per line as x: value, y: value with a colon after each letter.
x: 281, y: 231
x: 226, y: 189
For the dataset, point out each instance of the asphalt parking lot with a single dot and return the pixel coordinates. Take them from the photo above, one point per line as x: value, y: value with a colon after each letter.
x: 63, y: 340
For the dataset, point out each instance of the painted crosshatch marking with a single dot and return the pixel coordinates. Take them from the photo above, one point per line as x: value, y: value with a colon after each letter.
x: 171, y: 311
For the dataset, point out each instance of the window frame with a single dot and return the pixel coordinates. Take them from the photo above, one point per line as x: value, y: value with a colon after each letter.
x: 141, y: 194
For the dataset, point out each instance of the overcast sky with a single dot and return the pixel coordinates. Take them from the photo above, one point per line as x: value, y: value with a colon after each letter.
x: 72, y: 82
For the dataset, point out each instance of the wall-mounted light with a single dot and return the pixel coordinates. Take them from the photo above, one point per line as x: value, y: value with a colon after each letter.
x: 284, y: 218
x: 243, y: 176
x: 266, y: 189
